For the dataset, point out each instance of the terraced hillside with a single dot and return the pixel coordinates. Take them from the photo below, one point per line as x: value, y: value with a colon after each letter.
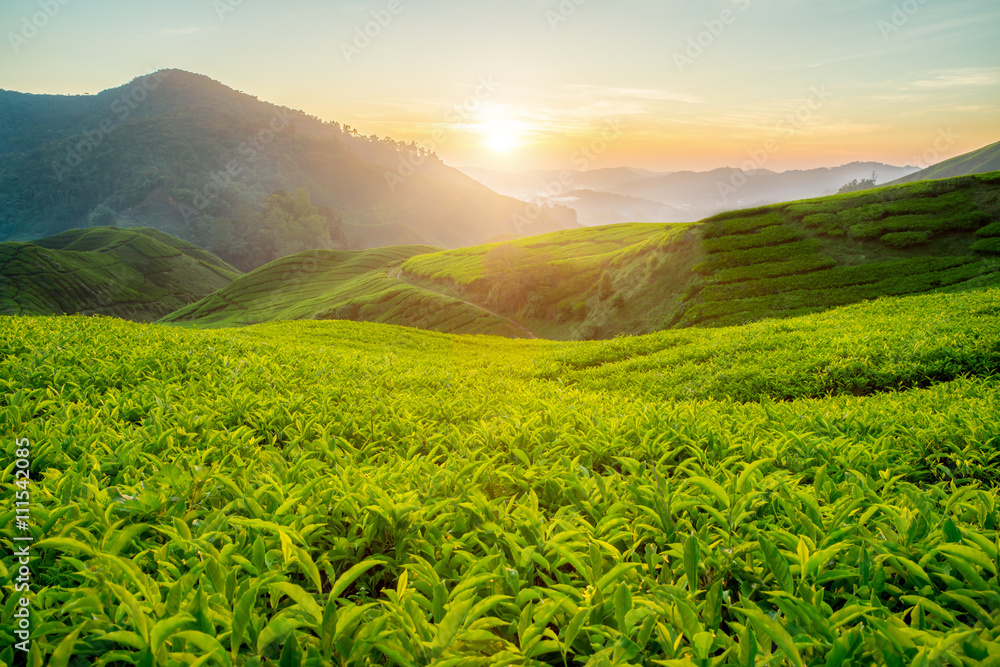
x: 774, y: 261
x: 809, y: 256
x: 138, y: 273
x: 343, y: 285
x: 820, y: 490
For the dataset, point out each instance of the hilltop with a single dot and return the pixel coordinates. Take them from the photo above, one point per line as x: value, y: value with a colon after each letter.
x: 137, y: 274
x: 186, y: 154
x: 341, y: 285
x: 984, y: 160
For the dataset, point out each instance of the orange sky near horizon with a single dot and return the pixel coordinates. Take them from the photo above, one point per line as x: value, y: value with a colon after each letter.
x: 567, y: 84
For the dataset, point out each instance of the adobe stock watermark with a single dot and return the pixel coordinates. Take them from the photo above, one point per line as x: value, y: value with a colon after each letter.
x: 365, y: 34
x: 250, y: 149
x: 122, y: 108
x: 565, y: 182
x: 715, y: 28
x: 35, y: 23
x: 901, y: 15
x: 936, y: 152
x: 789, y: 124
x: 563, y: 12
x: 22, y: 575
x: 223, y: 7
x: 484, y: 89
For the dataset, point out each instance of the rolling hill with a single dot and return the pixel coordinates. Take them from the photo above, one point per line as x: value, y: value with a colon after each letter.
x: 560, y: 285
x: 137, y: 274
x: 187, y: 155
x: 630, y: 279
x: 980, y: 161
x: 342, y: 285
x: 772, y: 261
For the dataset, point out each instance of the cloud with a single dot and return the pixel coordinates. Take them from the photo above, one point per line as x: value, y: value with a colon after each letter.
x: 180, y: 32
x: 592, y: 92
x: 967, y: 77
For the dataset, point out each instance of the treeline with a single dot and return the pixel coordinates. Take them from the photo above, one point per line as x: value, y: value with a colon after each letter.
x: 285, y: 224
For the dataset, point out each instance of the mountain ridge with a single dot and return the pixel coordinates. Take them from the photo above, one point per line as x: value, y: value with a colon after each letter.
x: 690, y: 195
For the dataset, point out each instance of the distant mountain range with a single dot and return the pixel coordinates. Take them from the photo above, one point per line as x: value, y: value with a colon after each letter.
x: 186, y: 154
x: 605, y: 196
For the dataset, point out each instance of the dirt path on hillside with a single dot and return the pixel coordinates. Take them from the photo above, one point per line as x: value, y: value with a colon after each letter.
x: 398, y: 275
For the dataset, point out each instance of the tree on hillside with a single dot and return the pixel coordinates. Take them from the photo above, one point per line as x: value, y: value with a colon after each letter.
x: 335, y: 222
x: 605, y: 288
x: 856, y: 185
x: 515, y: 276
x: 285, y: 224
x: 102, y: 216
x: 502, y: 267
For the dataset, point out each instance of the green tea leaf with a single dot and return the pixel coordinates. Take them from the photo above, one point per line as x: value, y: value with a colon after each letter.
x: 777, y: 564
x: 691, y: 561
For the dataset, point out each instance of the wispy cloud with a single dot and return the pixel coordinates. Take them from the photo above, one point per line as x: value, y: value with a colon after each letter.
x: 954, y: 27
x: 959, y: 78
x: 577, y: 107
x: 179, y: 32
x: 591, y: 92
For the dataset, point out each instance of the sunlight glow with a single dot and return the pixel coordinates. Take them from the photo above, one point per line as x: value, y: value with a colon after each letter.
x: 501, y: 136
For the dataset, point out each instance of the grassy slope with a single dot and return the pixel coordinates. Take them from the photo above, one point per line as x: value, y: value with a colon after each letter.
x: 138, y: 273
x: 774, y: 261
x: 611, y: 493
x: 980, y: 161
x: 649, y: 264
x: 339, y: 284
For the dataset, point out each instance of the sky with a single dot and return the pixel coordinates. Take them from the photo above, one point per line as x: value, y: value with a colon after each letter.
x: 554, y: 84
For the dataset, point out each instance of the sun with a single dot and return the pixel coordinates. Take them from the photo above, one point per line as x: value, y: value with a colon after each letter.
x: 501, y: 136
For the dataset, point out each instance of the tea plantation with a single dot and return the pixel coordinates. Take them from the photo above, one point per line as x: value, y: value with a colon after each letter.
x: 780, y: 260
x: 820, y: 490
x: 136, y: 273
x: 808, y: 256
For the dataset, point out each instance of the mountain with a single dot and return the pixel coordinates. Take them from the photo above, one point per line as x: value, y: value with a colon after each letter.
x: 980, y: 161
x: 602, y: 208
x: 532, y: 184
x: 771, y: 261
x: 342, y: 285
x: 688, y: 195
x: 136, y: 274
x: 187, y: 155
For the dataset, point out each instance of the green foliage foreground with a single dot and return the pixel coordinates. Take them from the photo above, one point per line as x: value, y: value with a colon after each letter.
x: 817, y: 491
